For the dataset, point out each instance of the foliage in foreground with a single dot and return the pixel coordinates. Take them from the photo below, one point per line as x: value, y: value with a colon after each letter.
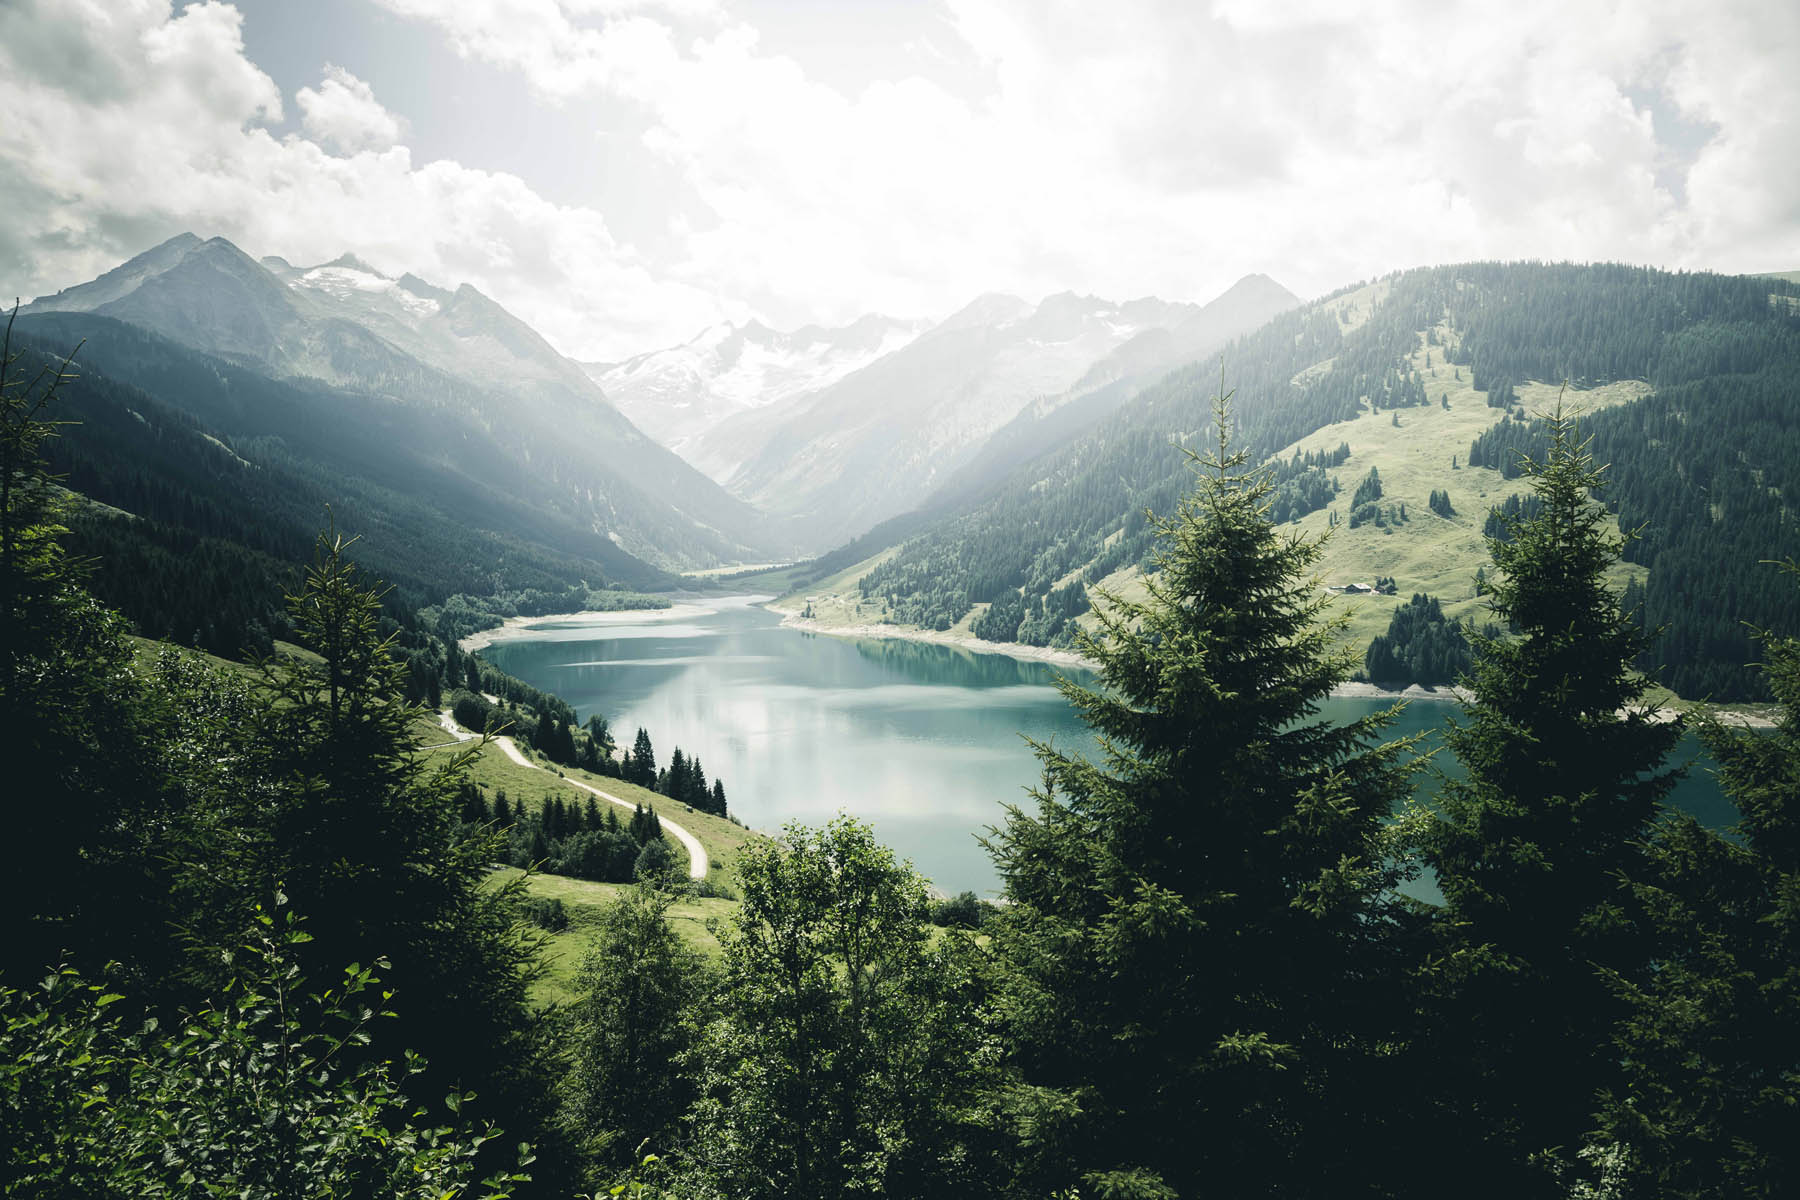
x: 1206, y: 981
x: 258, y: 1093
x: 1709, y: 1047
x: 843, y: 1054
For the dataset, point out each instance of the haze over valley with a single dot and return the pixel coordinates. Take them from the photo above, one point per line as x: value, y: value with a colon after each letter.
x: 909, y: 599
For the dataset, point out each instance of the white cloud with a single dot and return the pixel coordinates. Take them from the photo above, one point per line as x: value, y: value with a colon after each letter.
x: 128, y: 122
x: 1147, y: 146
x: 1157, y: 146
x: 343, y: 114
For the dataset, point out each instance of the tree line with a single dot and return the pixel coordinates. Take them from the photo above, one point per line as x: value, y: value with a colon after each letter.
x: 1207, y: 979
x: 1695, y: 463
x: 579, y: 841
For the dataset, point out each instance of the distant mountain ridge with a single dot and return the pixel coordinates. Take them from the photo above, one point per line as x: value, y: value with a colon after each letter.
x: 686, y: 396
x: 405, y: 341
x: 883, y: 438
x: 1687, y: 385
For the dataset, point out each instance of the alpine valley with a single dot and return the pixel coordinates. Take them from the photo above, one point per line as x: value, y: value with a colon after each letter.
x: 973, y: 476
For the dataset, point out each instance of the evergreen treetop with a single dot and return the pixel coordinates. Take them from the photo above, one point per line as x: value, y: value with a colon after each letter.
x: 1190, y: 937
x: 1709, y: 1044
x: 1536, y: 848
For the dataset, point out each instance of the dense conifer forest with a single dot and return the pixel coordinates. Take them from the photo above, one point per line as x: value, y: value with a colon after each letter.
x: 258, y: 947
x: 1703, y: 468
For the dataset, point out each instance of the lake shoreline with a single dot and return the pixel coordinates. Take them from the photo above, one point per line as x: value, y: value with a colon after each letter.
x: 897, y: 633
x: 1349, y: 690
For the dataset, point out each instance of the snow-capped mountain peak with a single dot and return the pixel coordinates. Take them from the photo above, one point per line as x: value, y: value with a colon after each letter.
x: 679, y: 393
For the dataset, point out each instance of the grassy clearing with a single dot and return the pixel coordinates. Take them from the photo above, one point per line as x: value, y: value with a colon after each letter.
x: 583, y: 901
x: 1428, y: 553
x: 144, y: 651
x: 835, y: 600
x: 493, y: 772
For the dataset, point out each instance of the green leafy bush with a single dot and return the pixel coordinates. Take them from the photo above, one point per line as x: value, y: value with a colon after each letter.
x: 262, y: 1092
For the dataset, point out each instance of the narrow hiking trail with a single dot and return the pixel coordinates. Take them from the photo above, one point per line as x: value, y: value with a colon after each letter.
x: 697, y: 861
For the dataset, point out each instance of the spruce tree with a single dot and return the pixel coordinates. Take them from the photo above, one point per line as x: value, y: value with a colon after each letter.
x: 86, y: 808
x: 1194, y: 955
x: 1533, y: 849
x: 359, y: 828
x: 718, y: 797
x: 1710, y: 1044
x: 643, y: 761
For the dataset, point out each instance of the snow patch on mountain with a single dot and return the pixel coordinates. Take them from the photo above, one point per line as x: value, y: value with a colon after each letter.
x: 680, y: 394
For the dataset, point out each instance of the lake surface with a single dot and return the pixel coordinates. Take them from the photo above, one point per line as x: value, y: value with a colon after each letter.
x: 921, y: 740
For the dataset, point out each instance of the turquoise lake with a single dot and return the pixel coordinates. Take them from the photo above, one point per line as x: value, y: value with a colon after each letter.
x: 923, y: 741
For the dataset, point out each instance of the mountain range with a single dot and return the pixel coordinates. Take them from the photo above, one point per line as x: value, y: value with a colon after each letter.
x: 1393, y: 415
x: 432, y: 355
x: 969, y: 475
x: 832, y: 431
x: 708, y: 398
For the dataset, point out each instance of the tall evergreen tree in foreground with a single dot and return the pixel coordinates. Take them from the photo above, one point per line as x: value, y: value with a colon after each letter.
x: 1710, y: 1046
x: 1193, y: 959
x: 85, y: 789
x: 334, y: 803
x: 1535, y: 848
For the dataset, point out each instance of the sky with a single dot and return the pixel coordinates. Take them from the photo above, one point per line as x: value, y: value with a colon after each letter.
x: 624, y: 173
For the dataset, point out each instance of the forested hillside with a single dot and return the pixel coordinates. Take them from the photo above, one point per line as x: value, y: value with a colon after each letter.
x: 449, y: 374
x: 220, y: 477
x: 1719, y: 354
x: 258, y: 947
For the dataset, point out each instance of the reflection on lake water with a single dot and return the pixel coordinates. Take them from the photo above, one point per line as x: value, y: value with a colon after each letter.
x: 922, y: 740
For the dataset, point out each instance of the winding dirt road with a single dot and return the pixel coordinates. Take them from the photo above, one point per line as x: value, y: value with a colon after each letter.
x: 697, y: 862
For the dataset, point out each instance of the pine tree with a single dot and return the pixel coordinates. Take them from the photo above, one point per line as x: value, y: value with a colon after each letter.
x: 84, y: 798
x: 1194, y: 965
x: 600, y: 733
x: 362, y: 835
x: 1533, y: 848
x: 643, y: 761
x: 1710, y: 1043
x: 718, y: 797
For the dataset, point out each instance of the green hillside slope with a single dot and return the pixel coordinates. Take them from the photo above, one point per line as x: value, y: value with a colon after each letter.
x: 1702, y: 464
x: 211, y: 481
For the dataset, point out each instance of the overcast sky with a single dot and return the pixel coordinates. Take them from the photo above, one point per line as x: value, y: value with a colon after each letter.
x: 621, y: 173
